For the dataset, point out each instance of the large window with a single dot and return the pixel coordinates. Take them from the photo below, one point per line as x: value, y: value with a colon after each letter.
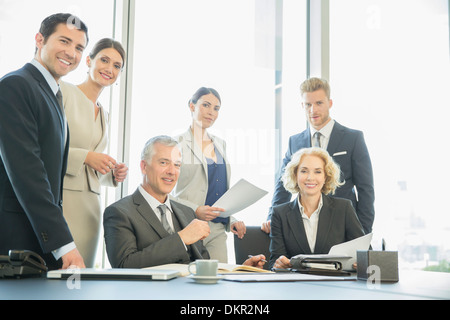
x: 293, y: 119
x: 181, y: 46
x: 388, y: 67
x: 389, y: 72
x: 18, y: 27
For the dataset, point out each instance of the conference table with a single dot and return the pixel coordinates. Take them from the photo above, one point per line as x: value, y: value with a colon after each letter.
x: 412, y: 285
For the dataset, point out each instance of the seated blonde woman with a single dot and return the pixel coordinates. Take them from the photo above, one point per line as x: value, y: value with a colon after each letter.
x: 314, y: 221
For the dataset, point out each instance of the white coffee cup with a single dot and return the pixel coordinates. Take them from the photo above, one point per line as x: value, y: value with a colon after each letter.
x: 204, y: 268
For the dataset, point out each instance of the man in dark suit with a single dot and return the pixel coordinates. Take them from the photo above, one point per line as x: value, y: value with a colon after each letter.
x: 138, y: 233
x: 34, y: 145
x: 346, y: 146
x: 147, y: 228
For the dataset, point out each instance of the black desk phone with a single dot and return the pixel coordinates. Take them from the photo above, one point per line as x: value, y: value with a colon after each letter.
x: 21, y: 263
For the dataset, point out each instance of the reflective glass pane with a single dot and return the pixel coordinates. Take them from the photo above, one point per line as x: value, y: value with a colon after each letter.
x: 390, y: 78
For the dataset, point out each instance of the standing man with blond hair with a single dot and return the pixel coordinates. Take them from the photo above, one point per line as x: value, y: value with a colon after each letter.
x: 346, y: 146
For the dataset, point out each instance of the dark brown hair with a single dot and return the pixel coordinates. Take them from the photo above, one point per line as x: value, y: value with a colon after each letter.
x: 48, y: 26
x: 107, y: 43
x: 202, y: 92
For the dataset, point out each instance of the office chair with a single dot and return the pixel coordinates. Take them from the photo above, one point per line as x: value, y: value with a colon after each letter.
x: 254, y: 242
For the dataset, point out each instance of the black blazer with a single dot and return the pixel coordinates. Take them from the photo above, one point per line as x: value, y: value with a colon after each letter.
x: 338, y: 223
x: 136, y: 238
x: 33, y: 160
x: 349, y: 150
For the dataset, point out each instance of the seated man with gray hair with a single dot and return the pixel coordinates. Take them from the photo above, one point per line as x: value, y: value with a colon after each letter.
x: 146, y: 228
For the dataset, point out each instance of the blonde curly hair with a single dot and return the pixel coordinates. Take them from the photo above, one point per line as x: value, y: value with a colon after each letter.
x: 332, y: 171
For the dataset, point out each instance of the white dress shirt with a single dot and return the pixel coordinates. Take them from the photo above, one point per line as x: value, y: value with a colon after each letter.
x: 154, y: 204
x: 325, y: 134
x: 311, y: 223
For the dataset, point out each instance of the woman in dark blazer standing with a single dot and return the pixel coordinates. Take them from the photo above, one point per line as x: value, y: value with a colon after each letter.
x: 314, y: 221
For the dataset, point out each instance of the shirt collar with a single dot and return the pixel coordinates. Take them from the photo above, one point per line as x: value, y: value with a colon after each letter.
x: 325, y: 131
x: 152, y: 201
x: 54, y: 86
x: 315, y: 212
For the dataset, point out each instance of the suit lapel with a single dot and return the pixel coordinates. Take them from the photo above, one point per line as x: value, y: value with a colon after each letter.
x: 103, y: 140
x: 183, y: 224
x: 337, y: 134
x: 296, y: 223
x: 324, y: 225
x: 196, y: 151
x: 46, y: 89
x: 37, y: 75
x: 220, y: 145
x: 304, y: 140
x: 144, y: 209
x: 179, y: 214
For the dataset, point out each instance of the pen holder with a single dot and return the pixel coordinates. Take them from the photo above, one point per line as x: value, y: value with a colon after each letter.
x: 377, y: 265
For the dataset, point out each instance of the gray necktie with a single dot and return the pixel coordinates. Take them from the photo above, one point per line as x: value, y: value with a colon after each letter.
x: 60, y: 100
x: 316, y: 141
x: 61, y: 106
x: 163, y: 209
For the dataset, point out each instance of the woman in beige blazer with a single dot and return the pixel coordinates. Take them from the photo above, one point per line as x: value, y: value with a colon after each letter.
x: 88, y: 167
x: 205, y: 172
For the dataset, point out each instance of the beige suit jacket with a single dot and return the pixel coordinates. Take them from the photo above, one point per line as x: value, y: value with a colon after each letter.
x: 192, y: 186
x: 80, y: 117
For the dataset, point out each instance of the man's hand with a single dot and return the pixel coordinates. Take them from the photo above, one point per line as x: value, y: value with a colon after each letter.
x: 73, y: 259
x: 195, y: 231
x: 256, y: 261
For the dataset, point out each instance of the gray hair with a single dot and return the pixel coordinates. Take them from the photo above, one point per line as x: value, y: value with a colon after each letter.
x: 148, y: 151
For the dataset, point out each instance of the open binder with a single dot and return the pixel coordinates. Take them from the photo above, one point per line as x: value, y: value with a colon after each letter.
x: 338, y: 261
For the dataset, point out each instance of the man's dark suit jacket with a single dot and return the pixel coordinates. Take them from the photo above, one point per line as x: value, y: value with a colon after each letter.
x: 33, y: 160
x: 337, y: 224
x: 136, y: 238
x: 349, y: 150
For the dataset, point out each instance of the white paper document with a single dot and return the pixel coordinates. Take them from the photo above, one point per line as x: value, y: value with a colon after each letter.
x: 284, y: 277
x: 349, y: 249
x: 242, y: 195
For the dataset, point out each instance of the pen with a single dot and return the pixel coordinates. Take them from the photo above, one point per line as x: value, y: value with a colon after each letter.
x: 250, y: 256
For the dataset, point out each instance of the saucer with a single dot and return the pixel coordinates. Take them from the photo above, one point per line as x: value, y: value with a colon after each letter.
x: 206, y: 279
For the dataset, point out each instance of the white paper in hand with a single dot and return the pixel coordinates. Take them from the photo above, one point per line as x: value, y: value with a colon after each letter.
x: 350, y: 248
x: 242, y: 195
